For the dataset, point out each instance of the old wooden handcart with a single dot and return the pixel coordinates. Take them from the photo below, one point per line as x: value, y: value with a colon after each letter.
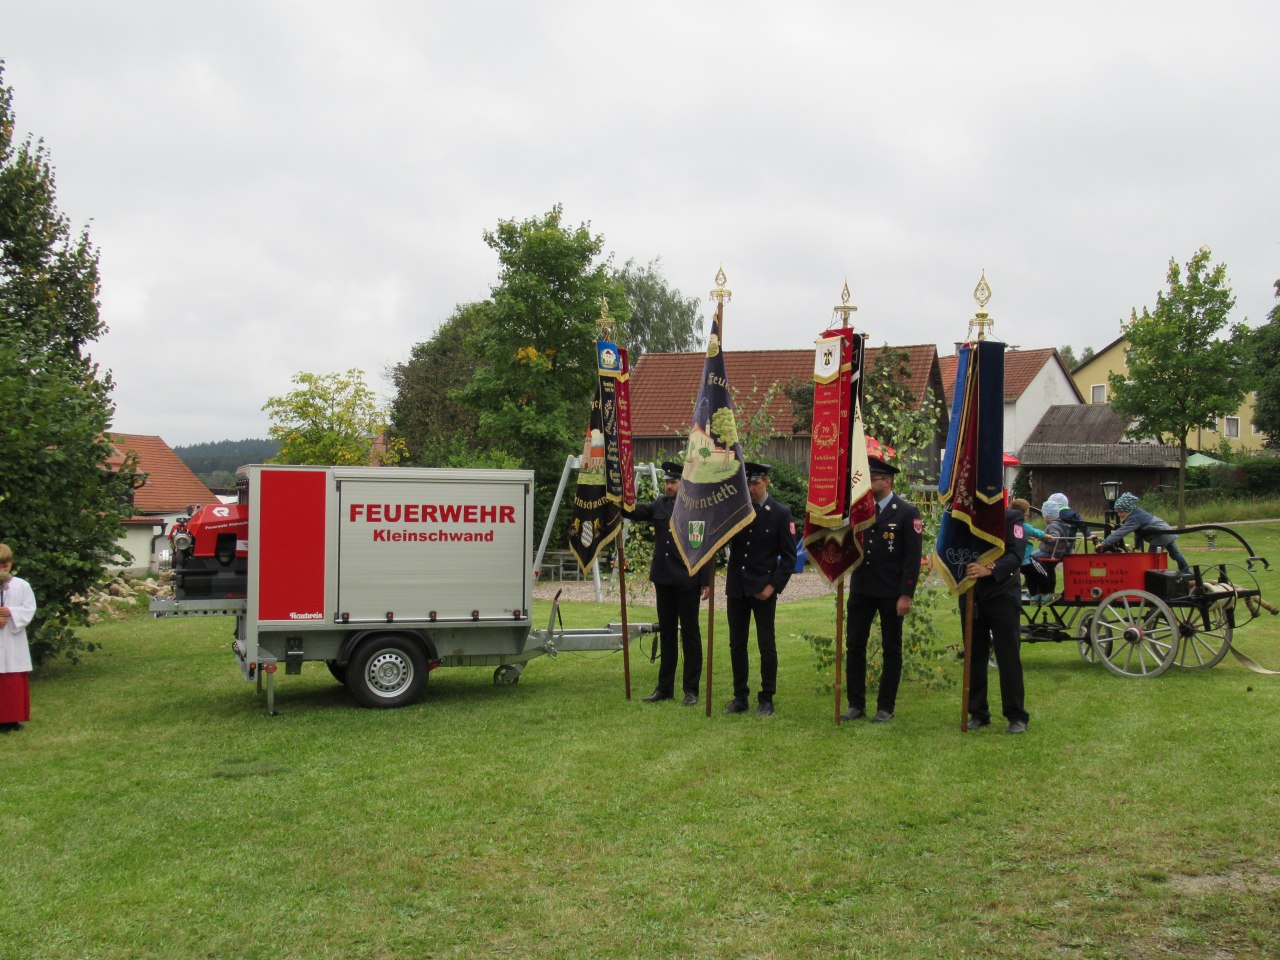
x: 1137, y: 618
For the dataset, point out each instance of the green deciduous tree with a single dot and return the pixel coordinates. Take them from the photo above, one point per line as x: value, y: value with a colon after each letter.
x: 662, y: 319
x: 331, y: 418
x: 61, y: 509
x: 1265, y: 348
x: 1071, y: 359
x: 535, y: 361
x: 1181, y: 374
x: 439, y: 429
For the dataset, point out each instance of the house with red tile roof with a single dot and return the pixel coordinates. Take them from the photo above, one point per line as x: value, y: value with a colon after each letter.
x: 167, y: 489
x: 1034, y: 381
x: 664, y: 387
x: 1077, y: 447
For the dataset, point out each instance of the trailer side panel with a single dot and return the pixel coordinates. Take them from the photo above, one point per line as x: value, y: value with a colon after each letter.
x: 434, y: 550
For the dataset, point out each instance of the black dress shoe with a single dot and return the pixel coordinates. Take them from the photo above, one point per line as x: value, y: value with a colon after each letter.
x: 882, y: 716
x: 853, y: 713
x: 690, y: 699
x: 764, y: 708
x: 658, y: 696
x: 1017, y: 726
x: 736, y: 706
x: 976, y: 722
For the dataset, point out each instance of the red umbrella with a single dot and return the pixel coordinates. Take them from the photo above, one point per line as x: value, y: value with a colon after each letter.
x: 877, y: 449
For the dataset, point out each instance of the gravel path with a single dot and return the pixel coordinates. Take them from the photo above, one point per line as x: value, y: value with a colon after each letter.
x: 802, y: 586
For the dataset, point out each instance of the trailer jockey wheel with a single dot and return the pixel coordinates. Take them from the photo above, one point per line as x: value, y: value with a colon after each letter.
x: 506, y: 674
x: 387, y: 671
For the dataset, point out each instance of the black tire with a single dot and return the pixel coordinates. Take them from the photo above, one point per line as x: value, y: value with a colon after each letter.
x: 338, y: 671
x: 387, y: 671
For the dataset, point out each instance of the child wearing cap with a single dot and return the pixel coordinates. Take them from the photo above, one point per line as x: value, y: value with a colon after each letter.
x: 1058, y: 541
x: 1076, y: 523
x: 1133, y: 519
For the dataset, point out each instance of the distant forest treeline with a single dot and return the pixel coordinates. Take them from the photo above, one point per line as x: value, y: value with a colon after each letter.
x: 216, y: 463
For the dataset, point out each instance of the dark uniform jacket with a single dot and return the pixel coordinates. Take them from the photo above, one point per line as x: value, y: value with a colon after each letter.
x: 1004, y: 579
x: 891, y: 565
x: 668, y: 567
x: 763, y: 553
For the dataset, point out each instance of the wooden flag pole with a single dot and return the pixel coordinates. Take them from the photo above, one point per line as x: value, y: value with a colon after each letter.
x: 839, y: 642
x: 968, y: 662
x: 843, y: 311
x: 626, y: 634
x: 711, y: 630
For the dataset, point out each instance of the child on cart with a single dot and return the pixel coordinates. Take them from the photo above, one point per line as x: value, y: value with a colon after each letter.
x: 1076, y: 523
x: 1133, y: 519
x: 1029, y: 568
x: 1058, y: 541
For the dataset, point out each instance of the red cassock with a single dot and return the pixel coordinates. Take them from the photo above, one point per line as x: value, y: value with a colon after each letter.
x: 15, y: 698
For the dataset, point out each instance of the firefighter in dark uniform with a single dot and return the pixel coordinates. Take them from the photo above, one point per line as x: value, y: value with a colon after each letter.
x: 762, y: 557
x: 997, y: 591
x: 884, y: 583
x: 677, y: 593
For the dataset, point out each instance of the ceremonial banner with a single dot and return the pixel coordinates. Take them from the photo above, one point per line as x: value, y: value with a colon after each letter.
x: 971, y: 483
x: 615, y: 414
x: 626, y: 456
x: 597, y: 516
x: 840, y: 505
x: 713, y: 503
x: 829, y: 443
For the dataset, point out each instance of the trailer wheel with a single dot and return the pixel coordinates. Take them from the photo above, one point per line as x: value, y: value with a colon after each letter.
x: 506, y: 674
x: 388, y: 671
x: 338, y: 671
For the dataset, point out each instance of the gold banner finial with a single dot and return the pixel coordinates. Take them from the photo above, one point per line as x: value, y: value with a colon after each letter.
x: 845, y: 308
x: 981, y: 320
x: 606, y: 327
x: 720, y: 294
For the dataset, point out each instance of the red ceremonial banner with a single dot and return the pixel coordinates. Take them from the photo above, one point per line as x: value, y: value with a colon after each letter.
x: 837, y: 550
x: 626, y: 455
x: 829, y: 446
x: 840, y: 505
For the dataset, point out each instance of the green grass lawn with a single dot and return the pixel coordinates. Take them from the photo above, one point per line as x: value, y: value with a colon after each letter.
x: 151, y: 809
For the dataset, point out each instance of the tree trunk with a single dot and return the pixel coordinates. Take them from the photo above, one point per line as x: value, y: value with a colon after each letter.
x: 1182, y: 483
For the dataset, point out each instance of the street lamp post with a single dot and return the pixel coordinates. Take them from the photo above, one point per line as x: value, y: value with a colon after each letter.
x: 1110, y: 493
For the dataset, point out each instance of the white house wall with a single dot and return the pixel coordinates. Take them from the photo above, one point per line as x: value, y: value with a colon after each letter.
x: 1050, y: 387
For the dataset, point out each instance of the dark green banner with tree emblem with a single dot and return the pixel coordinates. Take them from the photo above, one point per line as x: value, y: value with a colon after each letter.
x: 713, y: 503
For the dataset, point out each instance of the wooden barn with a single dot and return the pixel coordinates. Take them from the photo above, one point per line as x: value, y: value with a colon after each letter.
x: 1076, y: 448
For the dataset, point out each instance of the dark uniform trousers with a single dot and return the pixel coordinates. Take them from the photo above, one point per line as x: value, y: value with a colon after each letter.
x: 759, y: 555
x: 678, y: 606
x: 739, y: 611
x: 862, y: 611
x: 678, y: 596
x: 889, y: 570
x: 996, y: 625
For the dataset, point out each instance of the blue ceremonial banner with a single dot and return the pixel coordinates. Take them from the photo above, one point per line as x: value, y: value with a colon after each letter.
x: 597, y: 516
x: 971, y: 483
x: 713, y: 502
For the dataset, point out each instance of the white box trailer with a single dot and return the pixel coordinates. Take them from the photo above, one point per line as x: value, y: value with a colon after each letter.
x: 384, y: 573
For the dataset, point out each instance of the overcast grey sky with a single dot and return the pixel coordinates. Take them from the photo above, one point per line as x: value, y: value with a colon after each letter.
x: 285, y: 186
